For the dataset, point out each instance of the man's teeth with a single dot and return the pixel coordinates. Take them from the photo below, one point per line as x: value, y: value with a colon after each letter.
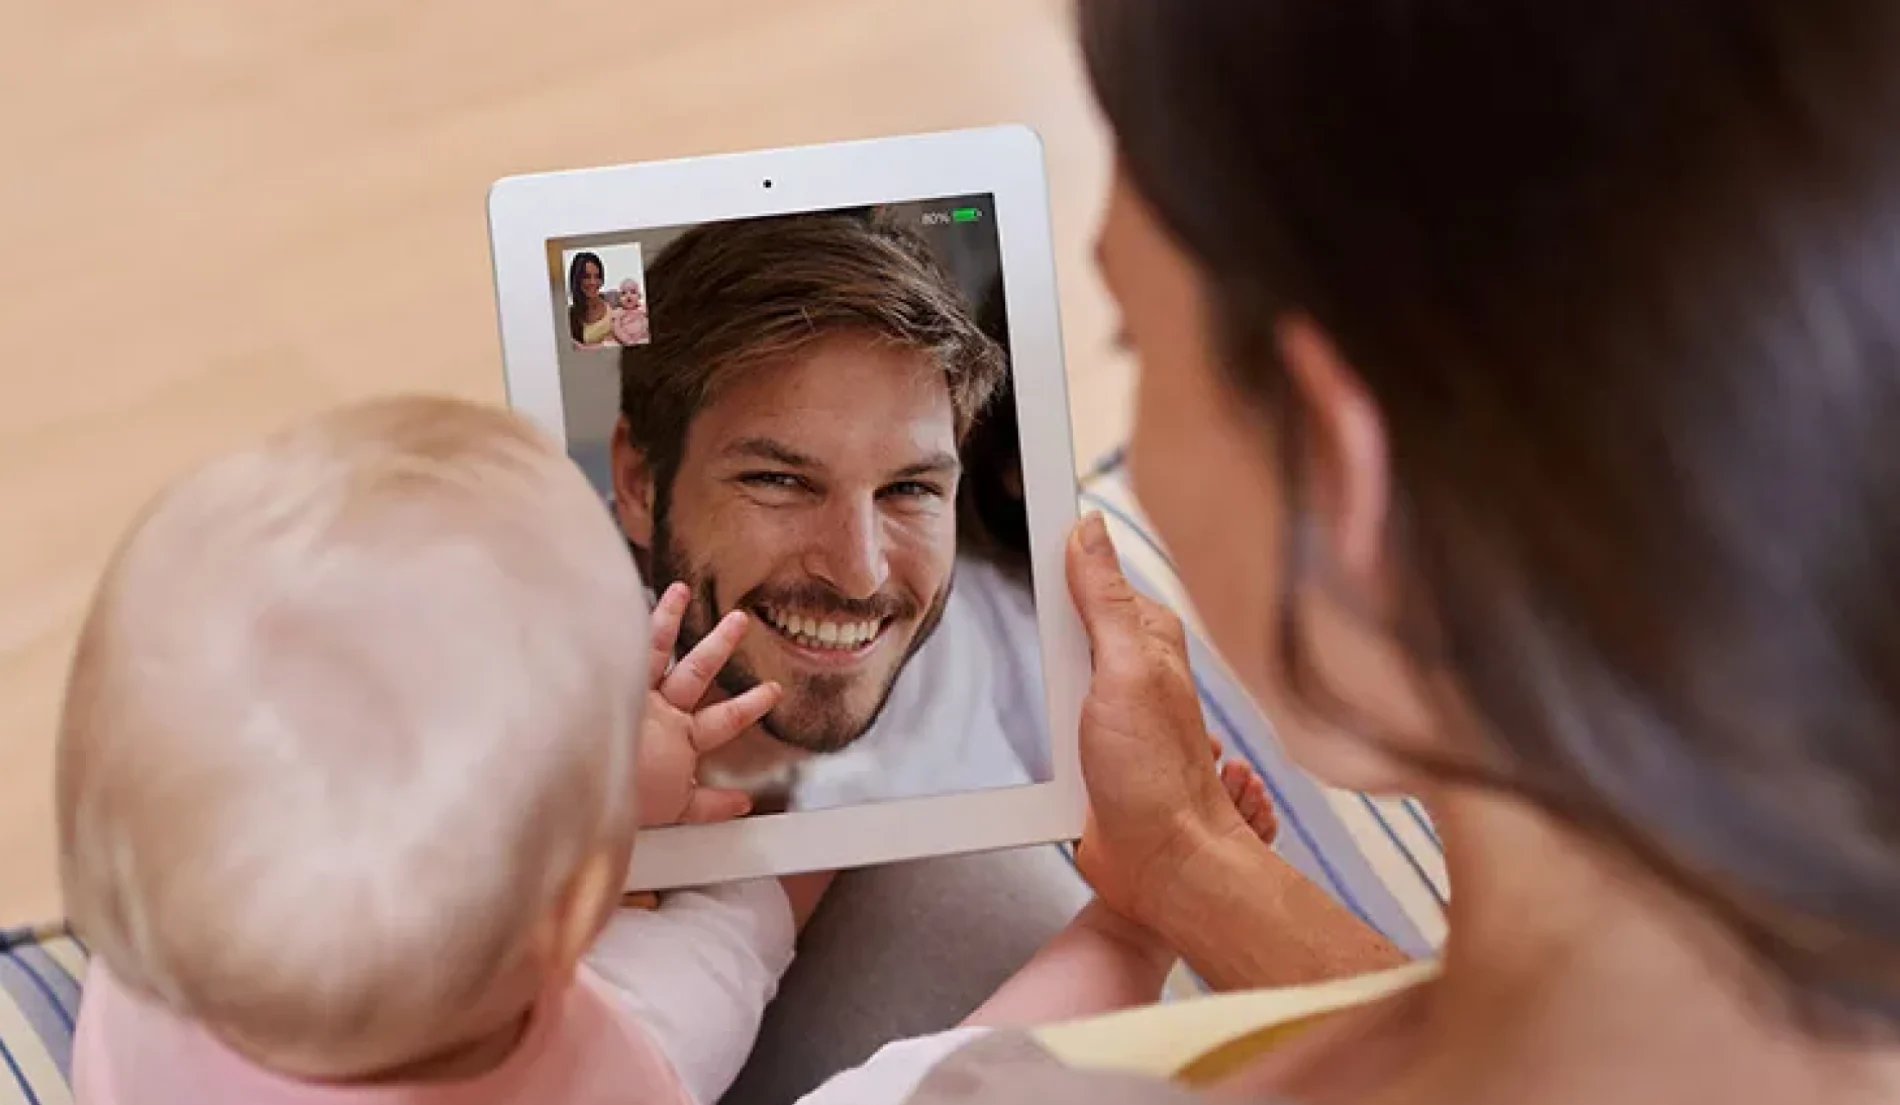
x: 817, y: 633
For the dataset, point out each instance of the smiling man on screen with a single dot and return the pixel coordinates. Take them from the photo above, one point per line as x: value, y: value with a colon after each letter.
x: 788, y: 446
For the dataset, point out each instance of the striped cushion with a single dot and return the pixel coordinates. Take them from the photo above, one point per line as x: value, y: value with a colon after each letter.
x: 1380, y: 857
x: 39, y: 997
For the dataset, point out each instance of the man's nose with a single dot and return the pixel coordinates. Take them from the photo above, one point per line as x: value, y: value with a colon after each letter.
x: 849, y: 551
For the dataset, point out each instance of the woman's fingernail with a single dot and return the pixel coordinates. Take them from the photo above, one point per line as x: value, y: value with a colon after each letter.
x: 1095, y: 537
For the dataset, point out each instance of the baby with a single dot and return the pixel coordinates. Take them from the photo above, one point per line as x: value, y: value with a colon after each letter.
x: 630, y: 316
x: 349, y: 782
x: 348, y: 785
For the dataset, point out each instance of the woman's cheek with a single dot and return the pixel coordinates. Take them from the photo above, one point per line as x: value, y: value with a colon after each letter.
x: 1218, y: 515
x: 1203, y: 471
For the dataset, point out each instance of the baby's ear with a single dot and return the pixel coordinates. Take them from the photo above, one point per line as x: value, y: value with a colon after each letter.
x: 574, y: 923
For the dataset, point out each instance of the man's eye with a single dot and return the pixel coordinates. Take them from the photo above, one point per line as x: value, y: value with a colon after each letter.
x: 775, y: 481
x: 914, y: 489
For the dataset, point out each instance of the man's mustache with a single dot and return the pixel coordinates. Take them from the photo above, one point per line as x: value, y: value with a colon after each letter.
x: 814, y: 597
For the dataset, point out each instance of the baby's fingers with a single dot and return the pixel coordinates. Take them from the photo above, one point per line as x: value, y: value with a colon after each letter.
x: 1248, y: 792
x: 667, y: 615
x: 719, y: 724
x: 686, y: 684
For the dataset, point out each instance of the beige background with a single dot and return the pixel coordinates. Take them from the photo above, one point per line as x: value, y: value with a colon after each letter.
x: 218, y: 215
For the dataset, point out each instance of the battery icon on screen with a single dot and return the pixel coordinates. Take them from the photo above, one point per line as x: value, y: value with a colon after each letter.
x: 967, y: 214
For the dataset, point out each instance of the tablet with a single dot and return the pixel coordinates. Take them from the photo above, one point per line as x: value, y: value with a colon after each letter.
x: 825, y: 386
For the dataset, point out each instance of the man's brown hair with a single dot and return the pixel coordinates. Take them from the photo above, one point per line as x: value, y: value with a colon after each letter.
x: 727, y: 298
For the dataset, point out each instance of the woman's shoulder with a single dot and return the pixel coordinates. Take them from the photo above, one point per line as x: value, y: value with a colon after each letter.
x: 1155, y: 1055
x: 1200, y: 1039
x: 976, y: 1066
x: 1014, y: 1068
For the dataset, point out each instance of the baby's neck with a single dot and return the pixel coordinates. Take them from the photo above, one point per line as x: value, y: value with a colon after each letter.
x: 462, y: 1060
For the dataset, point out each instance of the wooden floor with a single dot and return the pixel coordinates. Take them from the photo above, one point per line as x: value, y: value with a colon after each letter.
x: 218, y: 215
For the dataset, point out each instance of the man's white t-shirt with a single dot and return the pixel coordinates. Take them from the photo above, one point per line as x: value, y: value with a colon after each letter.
x: 967, y: 713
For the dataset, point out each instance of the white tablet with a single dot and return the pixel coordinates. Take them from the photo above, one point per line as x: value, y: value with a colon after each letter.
x: 825, y: 386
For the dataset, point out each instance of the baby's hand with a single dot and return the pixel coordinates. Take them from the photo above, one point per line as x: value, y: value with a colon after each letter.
x: 675, y: 733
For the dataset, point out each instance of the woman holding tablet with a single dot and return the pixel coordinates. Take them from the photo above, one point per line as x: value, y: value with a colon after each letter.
x: 1518, y: 389
x: 590, y: 319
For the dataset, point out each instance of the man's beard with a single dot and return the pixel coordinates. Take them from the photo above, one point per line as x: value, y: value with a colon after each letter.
x: 830, y: 728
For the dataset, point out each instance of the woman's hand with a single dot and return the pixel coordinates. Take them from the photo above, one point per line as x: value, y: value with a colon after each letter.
x: 1171, y: 844
x: 675, y: 733
x: 1155, y: 795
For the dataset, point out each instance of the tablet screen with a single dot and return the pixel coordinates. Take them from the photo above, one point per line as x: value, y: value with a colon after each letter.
x: 811, y: 418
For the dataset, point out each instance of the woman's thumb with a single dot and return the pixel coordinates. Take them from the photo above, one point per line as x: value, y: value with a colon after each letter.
x: 1102, y: 594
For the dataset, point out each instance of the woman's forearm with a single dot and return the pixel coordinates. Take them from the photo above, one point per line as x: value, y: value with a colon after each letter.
x: 1244, y: 918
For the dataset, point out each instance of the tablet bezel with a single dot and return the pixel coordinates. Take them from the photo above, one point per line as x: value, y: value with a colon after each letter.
x: 526, y: 212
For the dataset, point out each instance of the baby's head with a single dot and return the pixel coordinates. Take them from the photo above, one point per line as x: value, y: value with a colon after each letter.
x: 346, y: 762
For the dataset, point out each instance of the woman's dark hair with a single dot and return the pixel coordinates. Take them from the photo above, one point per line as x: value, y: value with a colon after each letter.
x: 576, y: 302
x: 1624, y: 281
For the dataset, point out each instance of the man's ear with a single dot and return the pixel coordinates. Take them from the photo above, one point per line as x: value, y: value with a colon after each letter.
x: 1347, y: 453
x: 633, y: 488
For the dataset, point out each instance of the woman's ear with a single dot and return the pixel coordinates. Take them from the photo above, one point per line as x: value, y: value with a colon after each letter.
x: 1344, y: 617
x: 1347, y: 453
x: 633, y: 488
